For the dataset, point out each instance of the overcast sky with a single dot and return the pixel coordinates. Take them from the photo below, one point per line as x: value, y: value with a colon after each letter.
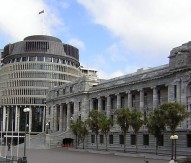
x: 116, y: 37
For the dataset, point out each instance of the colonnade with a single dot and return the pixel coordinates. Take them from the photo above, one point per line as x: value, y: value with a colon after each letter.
x: 143, y: 100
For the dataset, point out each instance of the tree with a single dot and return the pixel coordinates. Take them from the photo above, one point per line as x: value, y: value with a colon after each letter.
x: 136, y: 123
x: 174, y: 114
x: 105, y: 126
x: 123, y: 120
x: 83, y: 131
x: 156, y: 125
x: 75, y: 129
x: 94, y: 123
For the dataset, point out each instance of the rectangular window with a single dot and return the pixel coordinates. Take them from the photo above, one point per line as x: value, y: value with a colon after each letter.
x: 133, y: 139
x: 121, y: 139
x: 101, y: 139
x: 175, y: 92
x: 79, y: 106
x: 145, y: 99
x: 64, y: 91
x: 92, y: 138
x: 103, y: 104
x: 161, y: 141
x: 110, y: 139
x: 112, y: 103
x: 188, y: 140
x: 133, y: 101
x: 145, y: 139
x: 158, y: 93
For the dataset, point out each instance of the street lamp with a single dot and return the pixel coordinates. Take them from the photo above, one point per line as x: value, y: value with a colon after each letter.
x: 26, y: 110
x: 173, y: 138
x: 47, y: 125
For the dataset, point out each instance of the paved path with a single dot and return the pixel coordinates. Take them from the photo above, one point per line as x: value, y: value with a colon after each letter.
x: 62, y: 155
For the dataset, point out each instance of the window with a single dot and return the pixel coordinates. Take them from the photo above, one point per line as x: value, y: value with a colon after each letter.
x: 145, y: 99
x: 112, y: 103
x: 188, y: 140
x: 32, y: 58
x: 79, y: 106
x: 161, y: 140
x: 103, y: 104
x: 64, y: 91
x: 133, y: 101
x: 110, y: 139
x: 121, y: 139
x: 71, y: 89
x: 101, y: 139
x: 145, y: 139
x: 133, y: 139
x: 158, y: 97
x: 175, y: 93
x: 92, y: 138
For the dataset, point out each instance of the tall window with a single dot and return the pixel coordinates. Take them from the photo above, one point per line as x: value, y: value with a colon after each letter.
x: 133, y: 101
x: 101, y: 139
x: 161, y: 140
x: 122, y: 102
x: 188, y: 140
x: 175, y: 92
x: 92, y: 138
x: 110, y: 139
x: 121, y: 139
x: 145, y: 99
x: 145, y: 139
x: 133, y: 139
x: 158, y: 93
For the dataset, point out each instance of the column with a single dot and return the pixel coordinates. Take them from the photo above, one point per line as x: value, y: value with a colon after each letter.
x: 68, y: 116
x: 141, y: 100
x: 108, y: 111
x: 129, y: 100
x: 64, y: 117
x: 76, y: 110
x: 52, y: 119
x: 99, y: 104
x: 43, y: 122
x: 178, y: 94
x: 4, y: 118
x: 30, y: 119
x: 118, y: 101
x: 155, y: 98
x: 170, y: 93
x: 55, y: 118
x: 61, y: 118
x: 91, y: 105
x: 16, y: 118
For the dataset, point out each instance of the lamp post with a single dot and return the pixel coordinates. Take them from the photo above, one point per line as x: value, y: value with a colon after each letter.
x: 47, y: 125
x: 172, y: 147
x: 173, y: 138
x: 26, y: 110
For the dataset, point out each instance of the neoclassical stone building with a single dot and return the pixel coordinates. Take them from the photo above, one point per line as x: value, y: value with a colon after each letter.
x: 143, y: 90
x: 29, y: 69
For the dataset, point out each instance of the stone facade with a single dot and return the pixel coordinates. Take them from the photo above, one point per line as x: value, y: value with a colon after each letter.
x: 29, y: 69
x: 144, y: 90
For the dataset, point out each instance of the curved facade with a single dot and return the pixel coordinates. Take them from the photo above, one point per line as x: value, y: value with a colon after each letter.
x: 30, y: 68
x: 144, y: 91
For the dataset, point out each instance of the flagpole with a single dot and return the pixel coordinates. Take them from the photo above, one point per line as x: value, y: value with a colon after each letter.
x: 43, y: 25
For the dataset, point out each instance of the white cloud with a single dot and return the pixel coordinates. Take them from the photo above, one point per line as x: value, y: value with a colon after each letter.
x: 20, y: 18
x: 146, y: 27
x: 77, y: 43
x: 104, y: 75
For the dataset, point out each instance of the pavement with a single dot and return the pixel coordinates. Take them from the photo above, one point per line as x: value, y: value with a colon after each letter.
x: 72, y: 155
